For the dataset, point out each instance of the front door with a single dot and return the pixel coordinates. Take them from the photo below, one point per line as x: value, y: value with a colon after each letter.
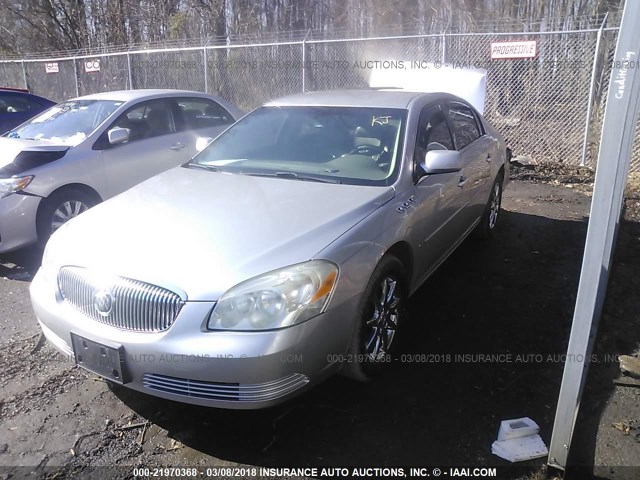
x: 438, y: 203
x: 154, y: 145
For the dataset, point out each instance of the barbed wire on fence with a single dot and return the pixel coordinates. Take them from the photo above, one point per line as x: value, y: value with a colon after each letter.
x: 414, y: 27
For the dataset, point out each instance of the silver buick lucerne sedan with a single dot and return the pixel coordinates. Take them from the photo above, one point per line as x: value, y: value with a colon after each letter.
x: 85, y: 150
x: 280, y: 254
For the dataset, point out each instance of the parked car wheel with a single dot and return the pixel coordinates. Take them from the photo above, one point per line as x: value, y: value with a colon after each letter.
x: 380, y: 314
x: 61, y: 207
x: 489, y: 219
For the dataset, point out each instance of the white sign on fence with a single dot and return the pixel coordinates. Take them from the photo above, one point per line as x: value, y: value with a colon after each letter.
x: 51, y: 67
x: 522, y: 49
x: 92, y: 65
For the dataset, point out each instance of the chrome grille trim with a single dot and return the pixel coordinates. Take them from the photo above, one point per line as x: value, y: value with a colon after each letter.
x: 232, y: 392
x: 137, y: 306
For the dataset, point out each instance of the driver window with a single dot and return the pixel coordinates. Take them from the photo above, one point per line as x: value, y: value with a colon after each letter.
x: 433, y: 134
x: 147, y: 120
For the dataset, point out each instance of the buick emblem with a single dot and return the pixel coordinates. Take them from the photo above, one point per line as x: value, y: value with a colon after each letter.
x: 103, y: 302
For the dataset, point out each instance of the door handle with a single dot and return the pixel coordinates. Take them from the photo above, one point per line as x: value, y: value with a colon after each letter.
x: 462, y: 181
x: 177, y: 146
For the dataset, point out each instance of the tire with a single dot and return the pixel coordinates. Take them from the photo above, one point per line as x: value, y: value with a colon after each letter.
x: 489, y: 220
x: 59, y: 208
x: 371, y: 347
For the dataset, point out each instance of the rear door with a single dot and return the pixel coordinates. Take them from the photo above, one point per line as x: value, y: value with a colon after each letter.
x: 154, y: 145
x: 201, y: 117
x: 474, y: 147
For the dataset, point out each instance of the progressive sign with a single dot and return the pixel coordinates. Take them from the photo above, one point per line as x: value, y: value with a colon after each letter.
x: 520, y: 49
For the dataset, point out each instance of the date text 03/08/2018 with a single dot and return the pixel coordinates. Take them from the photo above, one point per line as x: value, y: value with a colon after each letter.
x: 314, y: 472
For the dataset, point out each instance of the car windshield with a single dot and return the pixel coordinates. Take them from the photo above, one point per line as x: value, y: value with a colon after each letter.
x: 69, y: 122
x: 354, y: 145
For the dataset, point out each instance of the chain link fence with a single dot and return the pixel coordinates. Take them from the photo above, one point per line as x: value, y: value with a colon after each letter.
x: 549, y: 108
x: 250, y: 76
x: 12, y: 74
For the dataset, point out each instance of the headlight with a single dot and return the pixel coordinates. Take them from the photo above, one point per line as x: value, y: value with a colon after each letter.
x: 13, y: 185
x: 276, y: 299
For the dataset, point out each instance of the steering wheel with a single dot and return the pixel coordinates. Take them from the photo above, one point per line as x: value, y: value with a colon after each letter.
x: 369, y: 150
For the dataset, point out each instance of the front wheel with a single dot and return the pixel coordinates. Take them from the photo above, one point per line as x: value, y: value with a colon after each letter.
x: 379, y: 316
x: 489, y: 219
x: 59, y: 208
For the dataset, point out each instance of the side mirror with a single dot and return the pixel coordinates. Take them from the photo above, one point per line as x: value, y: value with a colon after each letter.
x: 441, y: 161
x: 118, y: 135
x: 202, y: 142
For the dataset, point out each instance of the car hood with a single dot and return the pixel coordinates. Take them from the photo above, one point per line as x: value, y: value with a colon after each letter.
x: 200, y: 232
x: 19, y: 155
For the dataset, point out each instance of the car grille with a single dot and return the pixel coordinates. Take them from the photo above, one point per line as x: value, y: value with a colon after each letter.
x: 233, y: 392
x: 133, y: 305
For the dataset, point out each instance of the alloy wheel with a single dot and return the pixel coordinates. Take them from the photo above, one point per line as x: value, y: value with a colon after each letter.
x: 381, y: 327
x: 494, y: 208
x: 65, y: 212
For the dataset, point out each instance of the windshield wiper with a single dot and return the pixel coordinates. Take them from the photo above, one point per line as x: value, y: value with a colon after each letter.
x: 211, y: 168
x: 293, y: 176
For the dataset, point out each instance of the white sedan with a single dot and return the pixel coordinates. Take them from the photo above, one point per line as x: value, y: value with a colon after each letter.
x: 83, y: 151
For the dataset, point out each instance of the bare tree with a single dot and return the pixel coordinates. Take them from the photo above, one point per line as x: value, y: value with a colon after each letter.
x: 50, y: 25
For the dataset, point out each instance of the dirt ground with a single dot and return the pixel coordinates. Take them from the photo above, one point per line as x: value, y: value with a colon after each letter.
x: 513, y: 296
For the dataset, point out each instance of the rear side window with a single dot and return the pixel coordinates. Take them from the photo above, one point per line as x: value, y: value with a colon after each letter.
x: 203, y: 113
x: 464, y: 125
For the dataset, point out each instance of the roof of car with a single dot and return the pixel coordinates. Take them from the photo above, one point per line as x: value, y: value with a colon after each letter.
x: 4, y: 91
x: 382, y: 98
x: 13, y: 89
x: 127, y: 95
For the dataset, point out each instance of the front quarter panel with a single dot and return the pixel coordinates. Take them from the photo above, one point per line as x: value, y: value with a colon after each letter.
x: 80, y: 165
x: 357, y: 252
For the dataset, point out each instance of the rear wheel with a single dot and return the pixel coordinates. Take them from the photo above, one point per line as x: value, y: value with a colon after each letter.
x: 489, y: 219
x: 61, y: 207
x: 379, y: 316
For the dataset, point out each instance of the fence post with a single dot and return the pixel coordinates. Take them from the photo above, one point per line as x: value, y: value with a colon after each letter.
x: 304, y: 62
x: 444, y: 47
x: 130, y: 75
x: 616, y: 143
x: 75, y: 76
x: 206, y: 70
x: 24, y: 76
x: 587, y: 125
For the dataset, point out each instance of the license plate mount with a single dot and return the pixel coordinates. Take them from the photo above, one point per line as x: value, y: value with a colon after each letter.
x: 104, y: 360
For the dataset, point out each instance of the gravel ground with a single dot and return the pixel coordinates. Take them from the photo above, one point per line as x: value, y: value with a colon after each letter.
x: 514, y: 295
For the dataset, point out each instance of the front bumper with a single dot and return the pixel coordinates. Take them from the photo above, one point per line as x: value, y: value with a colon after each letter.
x: 242, y: 370
x: 18, y: 221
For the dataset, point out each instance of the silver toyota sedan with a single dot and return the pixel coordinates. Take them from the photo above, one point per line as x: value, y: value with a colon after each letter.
x: 282, y: 253
x: 82, y: 151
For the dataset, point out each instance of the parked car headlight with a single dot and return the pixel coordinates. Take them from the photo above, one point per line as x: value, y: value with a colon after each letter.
x: 13, y: 185
x: 277, y: 299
